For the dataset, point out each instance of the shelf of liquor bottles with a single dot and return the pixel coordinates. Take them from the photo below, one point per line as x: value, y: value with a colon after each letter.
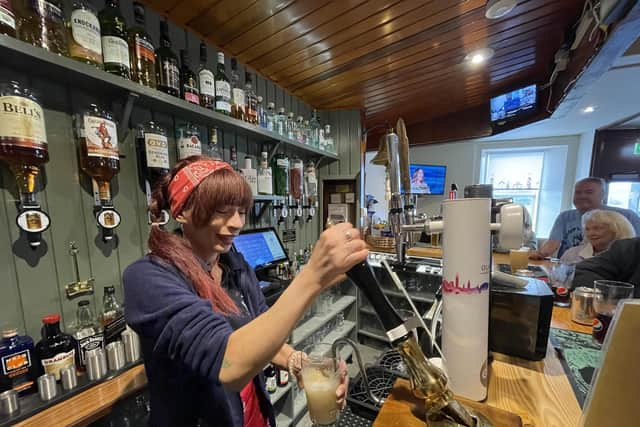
x: 23, y: 57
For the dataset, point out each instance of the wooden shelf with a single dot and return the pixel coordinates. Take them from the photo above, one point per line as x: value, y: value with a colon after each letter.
x: 22, y: 56
x: 303, y: 331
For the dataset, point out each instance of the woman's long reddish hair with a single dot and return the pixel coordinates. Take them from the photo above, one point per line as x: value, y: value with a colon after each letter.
x: 221, y: 188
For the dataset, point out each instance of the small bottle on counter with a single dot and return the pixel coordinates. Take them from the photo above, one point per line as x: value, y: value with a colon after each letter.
x: 283, y: 377
x: 87, y: 332
x: 112, y: 318
x: 271, y: 378
x: 56, y: 350
x: 18, y: 365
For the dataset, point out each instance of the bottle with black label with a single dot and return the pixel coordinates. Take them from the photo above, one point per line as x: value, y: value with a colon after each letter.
x: 167, y: 70
x: 87, y: 332
x: 188, y: 141
x: 189, y: 88
x: 85, y: 43
x: 18, y: 363
x: 213, y: 147
x: 237, y: 92
x: 56, y: 350
x: 206, y: 81
x: 283, y: 377
x: 141, y: 50
x: 115, y: 49
x: 223, y: 88
x: 112, y: 317
x: 271, y: 378
x: 7, y: 19
x: 153, y: 154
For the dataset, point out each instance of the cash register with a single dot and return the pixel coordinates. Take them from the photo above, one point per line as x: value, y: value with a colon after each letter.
x: 263, y: 251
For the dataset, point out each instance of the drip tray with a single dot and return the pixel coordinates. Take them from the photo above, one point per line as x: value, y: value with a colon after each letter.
x: 392, y: 361
x: 381, y: 382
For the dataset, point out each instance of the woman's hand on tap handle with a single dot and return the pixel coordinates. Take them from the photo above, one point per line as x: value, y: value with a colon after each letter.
x: 338, y: 249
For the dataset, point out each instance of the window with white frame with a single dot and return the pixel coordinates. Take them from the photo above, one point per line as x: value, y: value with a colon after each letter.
x: 532, y: 177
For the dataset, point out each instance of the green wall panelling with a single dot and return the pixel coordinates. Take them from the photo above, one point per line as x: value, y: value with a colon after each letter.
x: 33, y: 282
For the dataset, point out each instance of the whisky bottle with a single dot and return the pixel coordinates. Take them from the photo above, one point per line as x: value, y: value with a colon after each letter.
x: 85, y: 44
x: 18, y: 365
x: 233, y: 157
x: 115, y: 49
x: 189, y: 87
x: 251, y: 101
x: 188, y: 141
x: 99, y: 155
x: 87, y: 332
x: 206, y: 81
x: 280, y: 168
x: 237, y: 92
x: 153, y: 154
x: 56, y: 350
x: 265, y: 178
x: 167, y: 71
x: 41, y: 23
x: 141, y: 51
x: 223, y: 88
x: 213, y: 147
x: 7, y: 19
x: 112, y: 317
x: 23, y: 139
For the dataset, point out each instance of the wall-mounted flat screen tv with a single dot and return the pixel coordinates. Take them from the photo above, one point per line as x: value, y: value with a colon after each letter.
x: 514, y: 104
x: 427, y: 179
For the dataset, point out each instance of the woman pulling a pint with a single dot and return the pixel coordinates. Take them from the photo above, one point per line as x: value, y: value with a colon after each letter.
x: 205, y: 330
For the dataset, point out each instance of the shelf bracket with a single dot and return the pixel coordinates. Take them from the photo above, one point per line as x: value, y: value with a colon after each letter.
x: 126, y: 115
x: 317, y: 165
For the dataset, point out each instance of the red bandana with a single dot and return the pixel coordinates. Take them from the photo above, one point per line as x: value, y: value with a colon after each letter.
x: 188, y: 178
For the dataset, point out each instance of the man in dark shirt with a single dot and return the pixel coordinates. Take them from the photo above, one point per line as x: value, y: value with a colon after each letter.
x: 621, y: 262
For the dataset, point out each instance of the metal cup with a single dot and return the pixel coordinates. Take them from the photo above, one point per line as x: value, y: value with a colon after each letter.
x: 115, y: 355
x: 96, y: 364
x: 47, y: 387
x: 69, y: 378
x: 9, y: 402
x: 131, y: 343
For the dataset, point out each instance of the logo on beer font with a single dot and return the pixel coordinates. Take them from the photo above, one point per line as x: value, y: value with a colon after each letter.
x: 451, y: 287
x: 597, y: 325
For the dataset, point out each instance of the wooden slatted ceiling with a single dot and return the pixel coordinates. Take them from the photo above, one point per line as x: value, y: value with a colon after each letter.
x: 386, y: 57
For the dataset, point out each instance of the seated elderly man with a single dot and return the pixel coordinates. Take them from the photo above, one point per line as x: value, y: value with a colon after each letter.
x: 567, y: 230
x: 601, y: 228
x: 621, y: 262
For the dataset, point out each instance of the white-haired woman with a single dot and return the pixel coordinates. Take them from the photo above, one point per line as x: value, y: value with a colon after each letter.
x: 600, y: 228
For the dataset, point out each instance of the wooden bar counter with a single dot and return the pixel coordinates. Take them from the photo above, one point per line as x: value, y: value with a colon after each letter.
x: 539, y: 392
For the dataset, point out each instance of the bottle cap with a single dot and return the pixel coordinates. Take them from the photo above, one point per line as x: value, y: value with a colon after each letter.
x: 83, y: 303
x: 9, y: 332
x: 291, y: 114
x: 300, y: 118
x: 259, y: 98
x: 247, y: 162
x: 271, y: 105
x: 281, y: 110
x: 109, y: 290
x: 50, y: 319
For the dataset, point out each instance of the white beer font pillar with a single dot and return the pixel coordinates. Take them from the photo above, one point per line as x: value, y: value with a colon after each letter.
x: 465, y: 288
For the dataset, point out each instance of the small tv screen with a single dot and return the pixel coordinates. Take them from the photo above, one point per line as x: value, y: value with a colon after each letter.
x: 427, y: 179
x: 261, y: 247
x: 513, y: 104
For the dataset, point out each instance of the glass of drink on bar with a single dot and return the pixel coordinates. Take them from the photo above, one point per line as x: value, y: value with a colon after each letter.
x: 519, y: 259
x: 321, y: 378
x: 606, y: 296
x: 561, y: 278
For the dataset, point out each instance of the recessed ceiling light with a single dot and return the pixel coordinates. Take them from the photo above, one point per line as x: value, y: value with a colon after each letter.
x: 496, y: 9
x: 589, y: 109
x: 479, y: 56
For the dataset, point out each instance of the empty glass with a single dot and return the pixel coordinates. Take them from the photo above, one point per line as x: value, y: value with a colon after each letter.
x: 606, y: 296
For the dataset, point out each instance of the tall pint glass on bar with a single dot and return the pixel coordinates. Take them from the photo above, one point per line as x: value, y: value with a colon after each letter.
x: 321, y: 378
x: 606, y: 296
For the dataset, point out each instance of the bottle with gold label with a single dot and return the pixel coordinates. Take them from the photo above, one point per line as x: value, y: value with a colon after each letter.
x: 98, y: 143
x: 85, y: 43
x: 7, y: 19
x: 23, y: 145
x: 141, y: 50
x: 152, y: 147
x: 41, y: 23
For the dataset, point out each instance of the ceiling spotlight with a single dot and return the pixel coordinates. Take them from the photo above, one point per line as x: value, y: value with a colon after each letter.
x: 479, y: 56
x: 589, y: 109
x: 496, y: 9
